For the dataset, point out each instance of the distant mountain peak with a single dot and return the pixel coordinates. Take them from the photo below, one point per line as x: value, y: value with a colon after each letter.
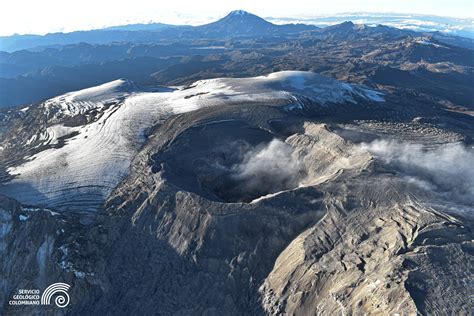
x: 346, y: 25
x: 242, y: 23
x: 343, y: 27
x: 237, y: 23
x: 238, y: 13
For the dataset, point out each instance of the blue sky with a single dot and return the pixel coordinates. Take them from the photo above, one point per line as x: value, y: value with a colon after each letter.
x: 39, y: 17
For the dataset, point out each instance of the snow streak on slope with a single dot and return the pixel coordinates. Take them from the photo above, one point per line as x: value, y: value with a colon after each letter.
x: 79, y: 102
x: 80, y: 174
x: 93, y: 160
x: 321, y: 89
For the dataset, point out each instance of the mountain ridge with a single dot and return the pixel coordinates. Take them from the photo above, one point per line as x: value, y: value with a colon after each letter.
x: 236, y: 23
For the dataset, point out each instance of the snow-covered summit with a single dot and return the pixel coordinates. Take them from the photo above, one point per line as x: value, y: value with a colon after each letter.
x: 238, y: 13
x: 96, y: 156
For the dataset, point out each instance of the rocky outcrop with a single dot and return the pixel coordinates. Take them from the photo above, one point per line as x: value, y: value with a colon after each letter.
x: 390, y: 257
x: 40, y: 247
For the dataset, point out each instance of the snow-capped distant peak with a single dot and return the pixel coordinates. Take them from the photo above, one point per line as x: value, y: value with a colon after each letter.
x: 238, y: 13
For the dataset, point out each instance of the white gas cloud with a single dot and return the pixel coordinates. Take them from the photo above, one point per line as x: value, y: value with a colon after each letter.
x: 269, y: 168
x: 447, y: 169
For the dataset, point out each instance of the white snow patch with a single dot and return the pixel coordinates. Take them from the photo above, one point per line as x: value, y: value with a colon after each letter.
x: 429, y: 43
x: 42, y: 256
x: 373, y: 95
x: 321, y: 89
x: 51, y: 135
x: 110, y: 90
x: 30, y: 209
x: 79, y: 102
x: 79, y: 274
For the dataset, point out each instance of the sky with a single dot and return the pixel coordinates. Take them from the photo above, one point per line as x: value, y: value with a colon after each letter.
x: 45, y: 16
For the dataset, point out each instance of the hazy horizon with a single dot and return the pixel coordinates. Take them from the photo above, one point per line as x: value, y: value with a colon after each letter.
x: 57, y: 16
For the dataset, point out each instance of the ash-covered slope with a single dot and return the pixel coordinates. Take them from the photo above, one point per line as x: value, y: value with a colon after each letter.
x: 85, y: 148
x: 284, y: 194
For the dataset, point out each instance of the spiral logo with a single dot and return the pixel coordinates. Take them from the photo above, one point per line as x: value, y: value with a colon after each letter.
x: 58, y: 289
